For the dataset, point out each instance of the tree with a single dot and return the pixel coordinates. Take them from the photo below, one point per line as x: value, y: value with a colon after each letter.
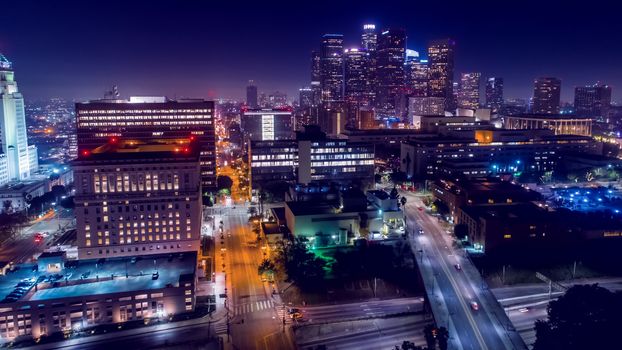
x: 403, y: 201
x: 461, y: 231
x: 443, y: 336
x: 224, y: 182
x: 378, y: 178
x: 6, y: 205
x: 585, y: 317
x: 266, y: 267
x: 301, y: 266
x: 68, y: 203
x: 428, y: 333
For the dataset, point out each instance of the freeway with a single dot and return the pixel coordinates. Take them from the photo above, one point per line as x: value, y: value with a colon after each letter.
x: 453, y: 291
x: 367, y: 309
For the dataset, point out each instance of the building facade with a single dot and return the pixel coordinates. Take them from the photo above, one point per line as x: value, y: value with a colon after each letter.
x: 391, y: 55
x: 331, y: 67
x: 494, y: 94
x: 592, y: 101
x: 561, y: 124
x: 417, y: 74
x: 420, y: 106
x: 267, y: 124
x: 137, y: 199
x: 546, y: 95
x: 251, y: 95
x: 468, y: 95
x: 143, y: 119
x: 441, y: 61
x: 20, y: 159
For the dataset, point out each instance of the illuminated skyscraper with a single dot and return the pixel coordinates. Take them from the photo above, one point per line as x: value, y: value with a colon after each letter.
x: 331, y: 67
x: 316, y: 76
x: 251, y: 94
x: 441, y: 61
x: 357, y: 86
x: 592, y: 101
x: 416, y: 74
x: 146, y: 118
x: 369, y: 42
x: 468, y: 95
x: 18, y: 160
x: 494, y: 94
x: 306, y: 97
x: 546, y: 95
x: 390, y: 70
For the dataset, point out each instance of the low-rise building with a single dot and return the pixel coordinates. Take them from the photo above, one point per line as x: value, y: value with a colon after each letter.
x: 55, y: 295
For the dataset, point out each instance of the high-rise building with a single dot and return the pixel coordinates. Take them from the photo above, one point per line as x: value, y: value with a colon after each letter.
x: 391, y: 55
x: 138, y: 198
x: 494, y: 94
x: 331, y: 67
x: 546, y: 95
x: 417, y: 74
x: 592, y: 101
x: 18, y: 160
x: 305, y: 96
x: 316, y: 76
x: 251, y: 95
x: 419, y: 106
x: 146, y: 118
x: 369, y: 39
x: 468, y: 94
x: 267, y: 124
x: 357, y: 87
x: 277, y: 99
x: 441, y: 61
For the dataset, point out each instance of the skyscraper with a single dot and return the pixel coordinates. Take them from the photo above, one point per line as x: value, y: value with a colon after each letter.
x: 592, y: 101
x: 546, y: 95
x: 416, y: 73
x: 305, y: 97
x: 369, y: 42
x: 441, y: 61
x: 494, y: 94
x: 468, y: 95
x: 145, y: 118
x: 331, y: 67
x: 18, y: 160
x: 251, y: 94
x: 357, y: 87
x: 391, y: 55
x: 316, y: 76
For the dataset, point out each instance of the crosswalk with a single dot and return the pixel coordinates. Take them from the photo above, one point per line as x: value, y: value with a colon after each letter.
x: 282, y: 314
x: 252, y: 307
x: 220, y: 328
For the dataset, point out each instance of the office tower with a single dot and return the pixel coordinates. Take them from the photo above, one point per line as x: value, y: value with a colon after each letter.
x: 138, y: 197
x: 441, y: 61
x: 494, y: 94
x: 391, y: 55
x: 316, y: 76
x: 546, y: 95
x: 369, y: 39
x: 267, y: 124
x: 331, y: 67
x: 369, y: 42
x: 145, y: 118
x: 357, y: 88
x: 277, y: 99
x: 251, y: 94
x: 514, y: 107
x: 416, y: 73
x: 305, y: 97
x: 468, y: 94
x: 419, y: 106
x: 592, y: 101
x: 18, y: 160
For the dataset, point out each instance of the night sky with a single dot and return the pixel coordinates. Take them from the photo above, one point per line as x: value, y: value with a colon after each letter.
x: 78, y: 49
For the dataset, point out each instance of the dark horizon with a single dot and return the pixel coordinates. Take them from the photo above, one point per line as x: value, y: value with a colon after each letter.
x: 190, y: 49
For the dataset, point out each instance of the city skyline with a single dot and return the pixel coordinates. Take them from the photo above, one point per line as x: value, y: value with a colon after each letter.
x: 212, y: 58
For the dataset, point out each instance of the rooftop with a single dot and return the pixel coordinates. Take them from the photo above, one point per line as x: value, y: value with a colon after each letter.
x: 97, y: 276
x: 131, y: 149
x: 310, y: 208
x: 550, y: 116
x: 506, y: 211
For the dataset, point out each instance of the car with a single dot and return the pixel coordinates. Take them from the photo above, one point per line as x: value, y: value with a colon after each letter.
x: 458, y: 267
x: 294, y: 313
x: 523, y: 310
x: 420, y: 231
x: 474, y: 306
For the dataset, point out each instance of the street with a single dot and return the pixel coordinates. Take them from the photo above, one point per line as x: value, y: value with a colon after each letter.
x: 256, y: 315
x: 452, y: 292
x: 23, y: 248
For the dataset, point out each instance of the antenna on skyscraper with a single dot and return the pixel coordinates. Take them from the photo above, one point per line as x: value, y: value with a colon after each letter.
x: 112, y: 94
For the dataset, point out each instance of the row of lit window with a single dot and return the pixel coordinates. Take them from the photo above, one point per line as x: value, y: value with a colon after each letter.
x: 143, y: 111
x: 143, y: 117
x: 342, y: 163
x: 99, y: 124
x: 129, y: 240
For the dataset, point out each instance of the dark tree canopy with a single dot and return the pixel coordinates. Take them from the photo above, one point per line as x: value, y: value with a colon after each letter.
x: 586, y: 317
x: 224, y: 182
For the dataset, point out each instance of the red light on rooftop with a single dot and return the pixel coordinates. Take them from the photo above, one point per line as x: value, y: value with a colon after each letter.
x: 186, y: 150
x: 191, y: 137
x: 86, y: 152
x: 113, y: 140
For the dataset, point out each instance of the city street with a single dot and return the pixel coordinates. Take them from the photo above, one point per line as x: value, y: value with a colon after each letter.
x: 372, y: 308
x: 23, y: 248
x: 256, y: 315
x: 452, y: 292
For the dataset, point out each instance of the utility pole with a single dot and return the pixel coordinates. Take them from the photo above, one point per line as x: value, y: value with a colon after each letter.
x: 574, y: 269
